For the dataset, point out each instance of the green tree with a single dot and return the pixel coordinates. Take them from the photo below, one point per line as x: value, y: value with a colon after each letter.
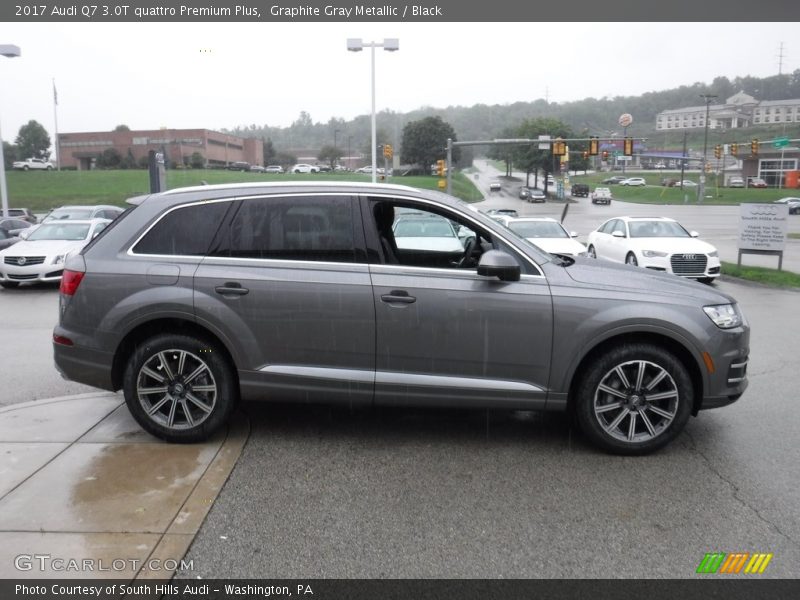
x: 425, y: 142
x: 10, y: 154
x: 528, y: 157
x: 329, y: 154
x: 285, y: 159
x: 109, y: 159
x: 197, y: 161
x: 122, y: 128
x: 33, y: 141
x: 269, y: 151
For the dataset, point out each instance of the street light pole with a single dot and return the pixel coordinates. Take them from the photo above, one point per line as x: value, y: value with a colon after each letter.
x: 701, y: 189
x: 357, y: 45
x: 9, y: 51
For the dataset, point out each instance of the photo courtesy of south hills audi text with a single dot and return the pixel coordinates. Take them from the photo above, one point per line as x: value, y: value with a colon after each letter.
x: 158, y: 590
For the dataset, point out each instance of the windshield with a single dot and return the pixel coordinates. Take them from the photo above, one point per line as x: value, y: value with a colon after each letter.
x: 72, y: 214
x: 61, y: 231
x: 423, y: 228
x: 650, y: 229
x: 538, y: 229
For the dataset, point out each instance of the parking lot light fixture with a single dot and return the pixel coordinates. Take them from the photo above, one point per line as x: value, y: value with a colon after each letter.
x: 9, y: 51
x: 357, y: 45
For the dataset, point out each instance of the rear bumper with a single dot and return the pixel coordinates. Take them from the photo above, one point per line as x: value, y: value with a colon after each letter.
x: 81, y: 364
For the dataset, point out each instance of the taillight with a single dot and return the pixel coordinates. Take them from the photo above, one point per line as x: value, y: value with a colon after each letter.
x: 70, y: 281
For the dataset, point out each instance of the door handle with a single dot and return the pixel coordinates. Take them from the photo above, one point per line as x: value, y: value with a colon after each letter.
x: 398, y: 296
x: 231, y: 288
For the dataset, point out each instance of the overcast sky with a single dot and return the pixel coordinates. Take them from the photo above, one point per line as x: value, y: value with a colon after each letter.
x: 222, y: 75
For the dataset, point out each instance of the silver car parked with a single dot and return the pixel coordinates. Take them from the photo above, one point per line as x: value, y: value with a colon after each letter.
x: 199, y: 297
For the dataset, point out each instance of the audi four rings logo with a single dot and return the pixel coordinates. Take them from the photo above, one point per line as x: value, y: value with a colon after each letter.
x: 21, y: 261
x: 689, y: 256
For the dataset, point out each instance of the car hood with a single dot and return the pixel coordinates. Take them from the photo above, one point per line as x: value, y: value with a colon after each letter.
x: 558, y: 245
x: 673, y: 245
x: 606, y: 274
x: 44, y: 247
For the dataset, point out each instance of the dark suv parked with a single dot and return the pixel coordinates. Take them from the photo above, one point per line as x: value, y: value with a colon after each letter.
x: 580, y: 190
x: 201, y: 296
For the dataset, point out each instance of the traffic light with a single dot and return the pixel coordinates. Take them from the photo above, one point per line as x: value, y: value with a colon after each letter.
x: 717, y: 151
x: 440, y: 168
x: 594, y: 146
x: 754, y: 147
x: 627, y: 146
x: 605, y: 154
x: 734, y: 149
x: 559, y: 147
x: 387, y: 151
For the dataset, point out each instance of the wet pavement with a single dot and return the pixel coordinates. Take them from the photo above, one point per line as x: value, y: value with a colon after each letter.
x: 81, y: 481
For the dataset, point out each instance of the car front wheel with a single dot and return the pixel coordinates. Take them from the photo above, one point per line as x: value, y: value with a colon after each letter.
x: 631, y: 260
x: 591, y: 252
x: 179, y: 388
x: 9, y: 284
x: 634, y: 399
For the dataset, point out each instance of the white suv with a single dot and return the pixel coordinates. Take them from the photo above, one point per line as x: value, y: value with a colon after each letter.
x: 304, y: 168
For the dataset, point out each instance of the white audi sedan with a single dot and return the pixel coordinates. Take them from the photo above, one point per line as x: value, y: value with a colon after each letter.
x: 548, y: 234
x: 41, y: 257
x: 656, y: 243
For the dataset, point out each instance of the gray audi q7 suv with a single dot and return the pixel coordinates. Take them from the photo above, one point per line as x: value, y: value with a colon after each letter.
x: 196, y: 298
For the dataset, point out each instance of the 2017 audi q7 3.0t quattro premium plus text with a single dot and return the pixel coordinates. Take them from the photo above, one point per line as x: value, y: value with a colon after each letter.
x: 196, y: 298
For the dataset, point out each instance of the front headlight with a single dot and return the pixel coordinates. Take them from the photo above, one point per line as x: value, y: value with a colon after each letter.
x: 653, y: 253
x: 714, y: 253
x: 583, y: 254
x: 59, y: 259
x: 725, y: 316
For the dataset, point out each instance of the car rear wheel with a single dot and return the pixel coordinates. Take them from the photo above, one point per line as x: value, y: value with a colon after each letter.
x: 179, y: 388
x: 634, y: 399
x: 631, y: 260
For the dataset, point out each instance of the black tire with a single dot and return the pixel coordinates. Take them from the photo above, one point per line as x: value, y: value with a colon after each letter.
x: 9, y: 284
x: 706, y: 280
x: 25, y: 168
x: 607, y: 419
x: 185, y: 413
x: 591, y: 251
x: 631, y: 260
x: 49, y: 168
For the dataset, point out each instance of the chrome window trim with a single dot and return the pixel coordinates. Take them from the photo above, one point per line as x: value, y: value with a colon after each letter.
x: 130, y: 251
x: 465, y: 273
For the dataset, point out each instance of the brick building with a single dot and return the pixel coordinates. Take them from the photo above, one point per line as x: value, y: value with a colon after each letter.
x: 81, y: 150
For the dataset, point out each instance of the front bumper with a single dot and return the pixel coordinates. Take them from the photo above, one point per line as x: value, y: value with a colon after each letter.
x: 677, y: 265
x: 33, y: 273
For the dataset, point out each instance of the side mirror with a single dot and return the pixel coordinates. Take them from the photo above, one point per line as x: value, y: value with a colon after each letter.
x: 618, y: 234
x: 23, y: 235
x: 496, y: 263
x: 694, y: 234
x: 573, y: 234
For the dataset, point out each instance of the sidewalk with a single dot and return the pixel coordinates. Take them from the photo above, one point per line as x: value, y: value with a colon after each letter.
x: 85, y: 492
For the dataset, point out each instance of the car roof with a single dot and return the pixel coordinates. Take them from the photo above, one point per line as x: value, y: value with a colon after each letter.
x: 85, y: 206
x: 77, y: 222
x: 633, y: 219
x: 526, y: 219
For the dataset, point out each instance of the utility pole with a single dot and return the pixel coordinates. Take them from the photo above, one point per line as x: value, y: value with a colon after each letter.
x: 701, y: 189
x: 780, y: 59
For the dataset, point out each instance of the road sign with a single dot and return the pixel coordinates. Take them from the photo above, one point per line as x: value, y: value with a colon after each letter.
x: 625, y: 120
x: 545, y: 145
x: 781, y: 142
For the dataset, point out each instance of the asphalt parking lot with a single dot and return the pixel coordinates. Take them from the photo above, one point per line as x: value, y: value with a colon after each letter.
x: 322, y: 492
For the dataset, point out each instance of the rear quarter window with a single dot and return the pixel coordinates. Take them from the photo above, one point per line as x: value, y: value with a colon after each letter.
x: 183, y: 231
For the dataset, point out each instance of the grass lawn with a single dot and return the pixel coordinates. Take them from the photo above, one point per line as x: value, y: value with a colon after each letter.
x: 762, y: 275
x: 40, y: 191
x: 655, y: 193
